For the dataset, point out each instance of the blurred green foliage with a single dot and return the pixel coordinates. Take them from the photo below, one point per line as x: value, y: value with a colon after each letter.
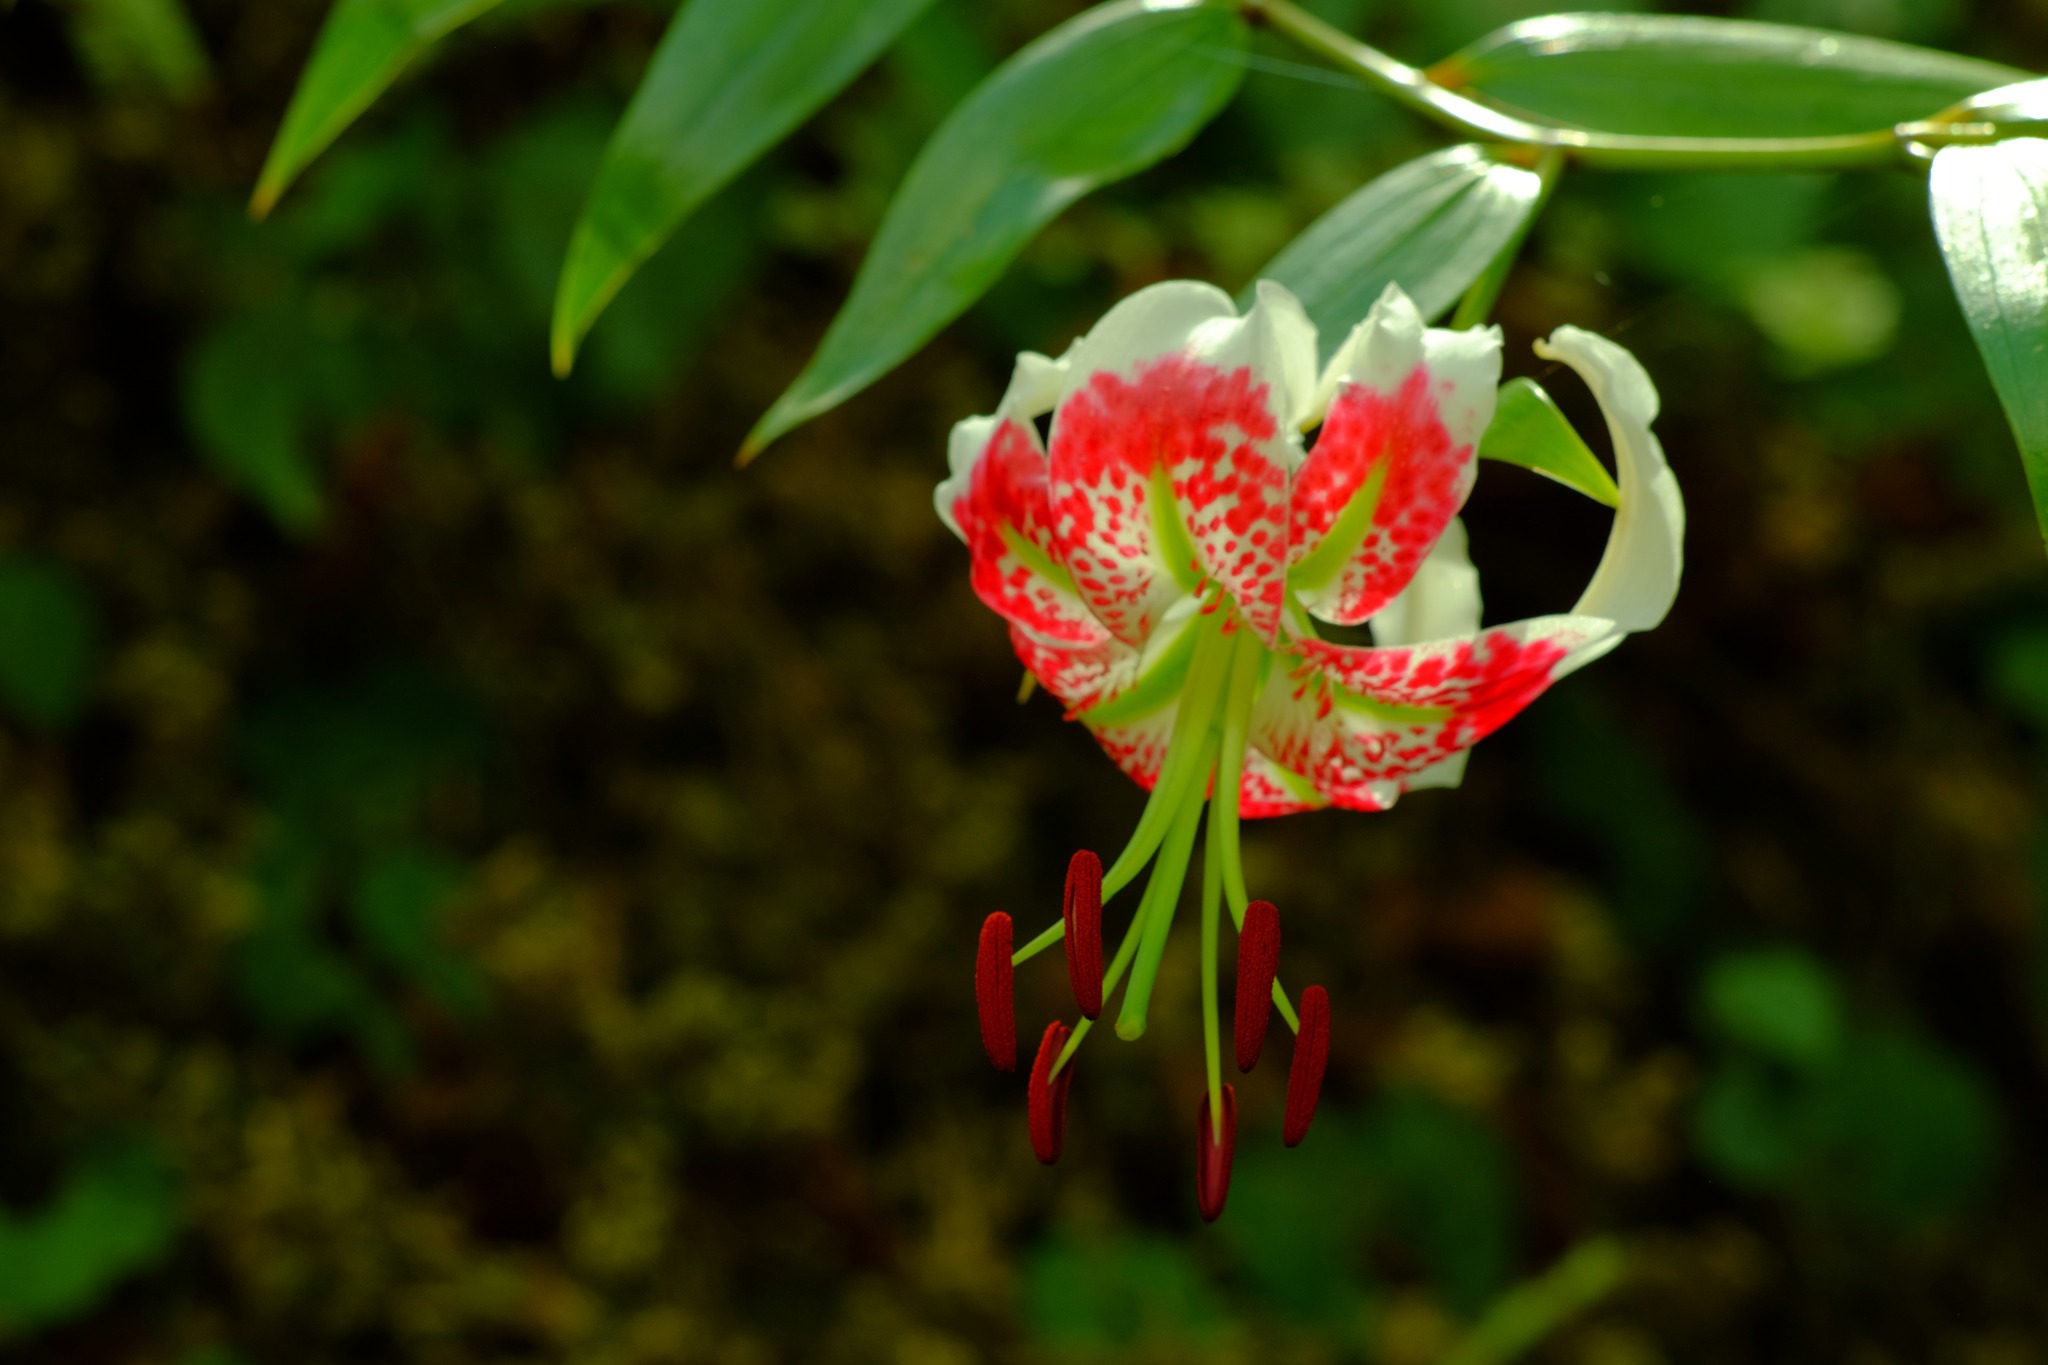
x: 508, y: 882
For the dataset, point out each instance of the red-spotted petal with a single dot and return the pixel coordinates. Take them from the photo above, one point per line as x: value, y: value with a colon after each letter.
x: 1394, y: 460
x: 1172, y: 450
x: 1269, y: 790
x: 1084, y: 676
x: 997, y: 500
x: 1364, y: 725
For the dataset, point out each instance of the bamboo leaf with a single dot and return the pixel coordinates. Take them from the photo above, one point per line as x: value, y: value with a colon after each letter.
x: 1665, y: 75
x: 1991, y: 216
x: 1101, y: 97
x: 1430, y: 226
x: 361, y: 49
x: 730, y: 80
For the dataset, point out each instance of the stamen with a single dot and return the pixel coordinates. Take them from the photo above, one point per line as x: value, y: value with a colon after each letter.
x: 1081, y: 914
x: 1258, y: 961
x: 994, y: 992
x: 1162, y: 897
x: 1048, y: 1095
x: 1311, y: 1056
x: 1213, y: 1154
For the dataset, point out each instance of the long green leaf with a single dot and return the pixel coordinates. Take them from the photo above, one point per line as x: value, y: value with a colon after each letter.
x: 730, y: 80
x: 1430, y: 226
x: 1528, y: 430
x: 361, y: 49
x: 1991, y: 215
x: 1102, y: 96
x: 1665, y: 75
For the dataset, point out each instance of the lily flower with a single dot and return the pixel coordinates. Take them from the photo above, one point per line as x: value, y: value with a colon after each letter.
x: 1210, y: 500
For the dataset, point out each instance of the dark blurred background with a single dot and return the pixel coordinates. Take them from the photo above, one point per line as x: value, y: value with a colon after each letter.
x: 482, y: 880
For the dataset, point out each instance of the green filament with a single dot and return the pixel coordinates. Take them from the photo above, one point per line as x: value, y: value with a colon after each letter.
x: 1162, y: 896
x: 1212, y: 906
x: 1191, y: 727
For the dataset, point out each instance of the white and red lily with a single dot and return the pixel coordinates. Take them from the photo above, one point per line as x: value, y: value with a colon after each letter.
x: 1163, y: 567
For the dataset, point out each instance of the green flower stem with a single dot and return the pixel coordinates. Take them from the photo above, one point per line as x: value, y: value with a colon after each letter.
x: 1477, y: 305
x: 1203, y: 690
x: 1052, y: 934
x: 1198, y: 699
x: 1474, y: 118
x: 1162, y: 896
x: 1246, y: 662
x: 1247, y: 672
x: 1212, y: 908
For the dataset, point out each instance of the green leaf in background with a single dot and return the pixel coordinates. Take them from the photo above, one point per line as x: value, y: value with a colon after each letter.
x: 1779, y: 1003
x: 1892, y: 1128
x: 141, y: 44
x: 1608, y: 784
x: 361, y: 49
x: 1662, y: 75
x: 1430, y: 226
x: 114, y: 1214
x: 49, y: 641
x: 2018, y: 668
x: 1910, y: 1131
x: 1528, y: 430
x: 245, y: 400
x: 397, y: 908
x: 1131, y: 1291
x: 730, y: 79
x: 1099, y: 98
x: 1991, y: 217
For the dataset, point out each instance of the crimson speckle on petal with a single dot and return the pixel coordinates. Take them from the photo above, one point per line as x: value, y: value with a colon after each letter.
x: 1162, y: 567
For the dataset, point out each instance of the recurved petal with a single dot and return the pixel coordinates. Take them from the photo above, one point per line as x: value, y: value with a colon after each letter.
x: 1638, y: 575
x: 1127, y: 697
x: 1403, y: 406
x: 997, y: 500
x: 1269, y: 790
x: 1172, y: 450
x: 1365, y: 724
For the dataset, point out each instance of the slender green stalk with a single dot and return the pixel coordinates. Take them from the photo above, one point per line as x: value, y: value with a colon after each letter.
x: 1532, y: 1310
x: 1052, y: 934
x: 1474, y: 118
x: 1162, y: 896
x: 1212, y: 913
x: 1207, y: 672
x: 1111, y: 976
x: 1245, y: 666
x: 1191, y: 726
x: 1477, y: 305
x: 1248, y: 664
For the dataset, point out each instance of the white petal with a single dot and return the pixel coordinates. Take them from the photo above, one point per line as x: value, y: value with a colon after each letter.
x: 1385, y: 349
x: 1034, y: 388
x: 1158, y: 320
x: 1638, y: 575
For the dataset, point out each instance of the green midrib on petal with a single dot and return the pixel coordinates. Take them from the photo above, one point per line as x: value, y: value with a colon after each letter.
x: 1155, y: 688
x: 1392, y: 712
x: 1036, y: 560
x: 1321, y: 565
x: 1174, y: 544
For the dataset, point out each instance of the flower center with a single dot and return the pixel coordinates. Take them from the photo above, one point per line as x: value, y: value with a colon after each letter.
x: 1204, y: 767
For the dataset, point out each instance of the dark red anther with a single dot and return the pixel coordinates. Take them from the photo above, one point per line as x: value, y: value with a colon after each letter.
x: 1311, y: 1056
x: 1212, y: 1158
x: 994, y: 994
x: 1258, y: 957
x: 1048, y: 1096
x: 1082, y: 913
